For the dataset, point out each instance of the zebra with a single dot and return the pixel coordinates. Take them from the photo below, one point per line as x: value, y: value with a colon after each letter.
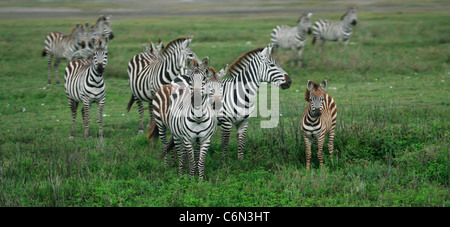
x: 239, y: 91
x: 293, y: 38
x: 102, y: 29
x: 84, y: 83
x: 341, y: 31
x: 319, y: 119
x: 147, y: 73
x: 185, y: 108
x: 161, y: 103
x: 62, y: 47
x: 150, y: 48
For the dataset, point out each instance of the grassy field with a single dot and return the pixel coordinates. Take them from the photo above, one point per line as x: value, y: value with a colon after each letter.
x: 391, y: 87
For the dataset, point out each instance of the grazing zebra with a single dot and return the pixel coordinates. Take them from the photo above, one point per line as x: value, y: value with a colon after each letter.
x: 319, y: 119
x: 83, y: 82
x: 184, y: 107
x: 341, y: 31
x: 293, y: 38
x: 239, y: 91
x: 62, y: 47
x: 147, y: 73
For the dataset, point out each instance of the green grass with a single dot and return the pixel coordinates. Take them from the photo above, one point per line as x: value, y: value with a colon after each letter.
x: 390, y: 86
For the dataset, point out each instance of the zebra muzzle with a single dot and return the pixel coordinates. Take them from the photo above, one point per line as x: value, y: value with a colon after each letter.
x: 100, y: 68
x: 354, y: 22
x: 287, y: 83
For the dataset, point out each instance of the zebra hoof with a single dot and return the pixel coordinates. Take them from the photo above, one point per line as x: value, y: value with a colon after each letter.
x: 140, y: 132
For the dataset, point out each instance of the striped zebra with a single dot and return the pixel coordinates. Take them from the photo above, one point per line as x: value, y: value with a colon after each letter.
x: 147, y: 73
x: 154, y: 51
x: 319, y: 119
x: 239, y: 92
x: 62, y: 47
x: 83, y: 82
x: 101, y: 29
x: 161, y: 111
x: 341, y: 31
x: 185, y: 108
x: 293, y: 38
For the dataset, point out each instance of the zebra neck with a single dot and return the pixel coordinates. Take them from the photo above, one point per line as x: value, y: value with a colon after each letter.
x: 170, y: 65
x: 347, y: 27
x: 94, y: 75
x: 300, y: 33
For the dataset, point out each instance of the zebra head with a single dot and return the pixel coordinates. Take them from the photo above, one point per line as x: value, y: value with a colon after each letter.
x: 214, y: 86
x: 104, y: 28
x: 198, y: 76
x: 185, y: 54
x: 100, y: 55
x: 271, y: 71
x: 304, y: 23
x: 351, y: 16
x: 78, y: 34
x: 314, y: 95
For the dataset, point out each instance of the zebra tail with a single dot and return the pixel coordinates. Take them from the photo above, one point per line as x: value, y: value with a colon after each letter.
x: 130, y: 103
x: 44, y: 53
x: 153, y: 131
x: 314, y: 40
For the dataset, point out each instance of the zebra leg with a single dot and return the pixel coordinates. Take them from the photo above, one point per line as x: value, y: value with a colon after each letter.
x: 57, y: 61
x: 321, y: 43
x: 346, y: 43
x: 73, y: 105
x: 180, y: 151
x: 49, y: 62
x: 202, y: 156
x: 226, y: 129
x: 188, y: 146
x: 330, y: 141
x: 241, y: 134
x: 162, y: 136
x: 294, y: 55
x: 320, y: 141
x: 308, y: 150
x: 141, y: 117
x: 86, y: 118
x: 100, y: 118
x: 300, y: 56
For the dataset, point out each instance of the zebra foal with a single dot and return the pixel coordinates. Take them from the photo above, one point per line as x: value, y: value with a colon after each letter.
x: 319, y: 119
x: 84, y: 83
x: 341, y: 31
x: 293, y: 38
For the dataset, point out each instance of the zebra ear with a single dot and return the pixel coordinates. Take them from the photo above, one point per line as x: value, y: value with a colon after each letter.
x: 223, y: 71
x: 309, y: 15
x: 323, y: 85
x: 191, y: 63
x: 309, y: 85
x: 205, y: 62
x: 186, y: 42
x: 266, y: 51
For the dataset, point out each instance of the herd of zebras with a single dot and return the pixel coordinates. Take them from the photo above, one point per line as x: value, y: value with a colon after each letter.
x: 188, y: 96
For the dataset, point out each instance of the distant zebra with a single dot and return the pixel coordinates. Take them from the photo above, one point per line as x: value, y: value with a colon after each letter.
x: 239, y: 92
x: 147, y: 73
x: 100, y: 30
x: 62, y: 47
x: 83, y: 82
x: 184, y: 107
x: 341, y: 31
x: 319, y: 119
x: 293, y: 38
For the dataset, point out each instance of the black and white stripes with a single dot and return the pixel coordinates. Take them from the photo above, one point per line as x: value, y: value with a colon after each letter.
x: 293, y: 38
x: 84, y: 83
x: 148, y: 72
x: 341, y: 31
x: 239, y: 92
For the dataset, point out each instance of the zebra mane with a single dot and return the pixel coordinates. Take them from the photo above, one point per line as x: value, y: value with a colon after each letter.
x: 307, y: 92
x: 174, y: 42
x: 241, y: 62
x: 75, y: 28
